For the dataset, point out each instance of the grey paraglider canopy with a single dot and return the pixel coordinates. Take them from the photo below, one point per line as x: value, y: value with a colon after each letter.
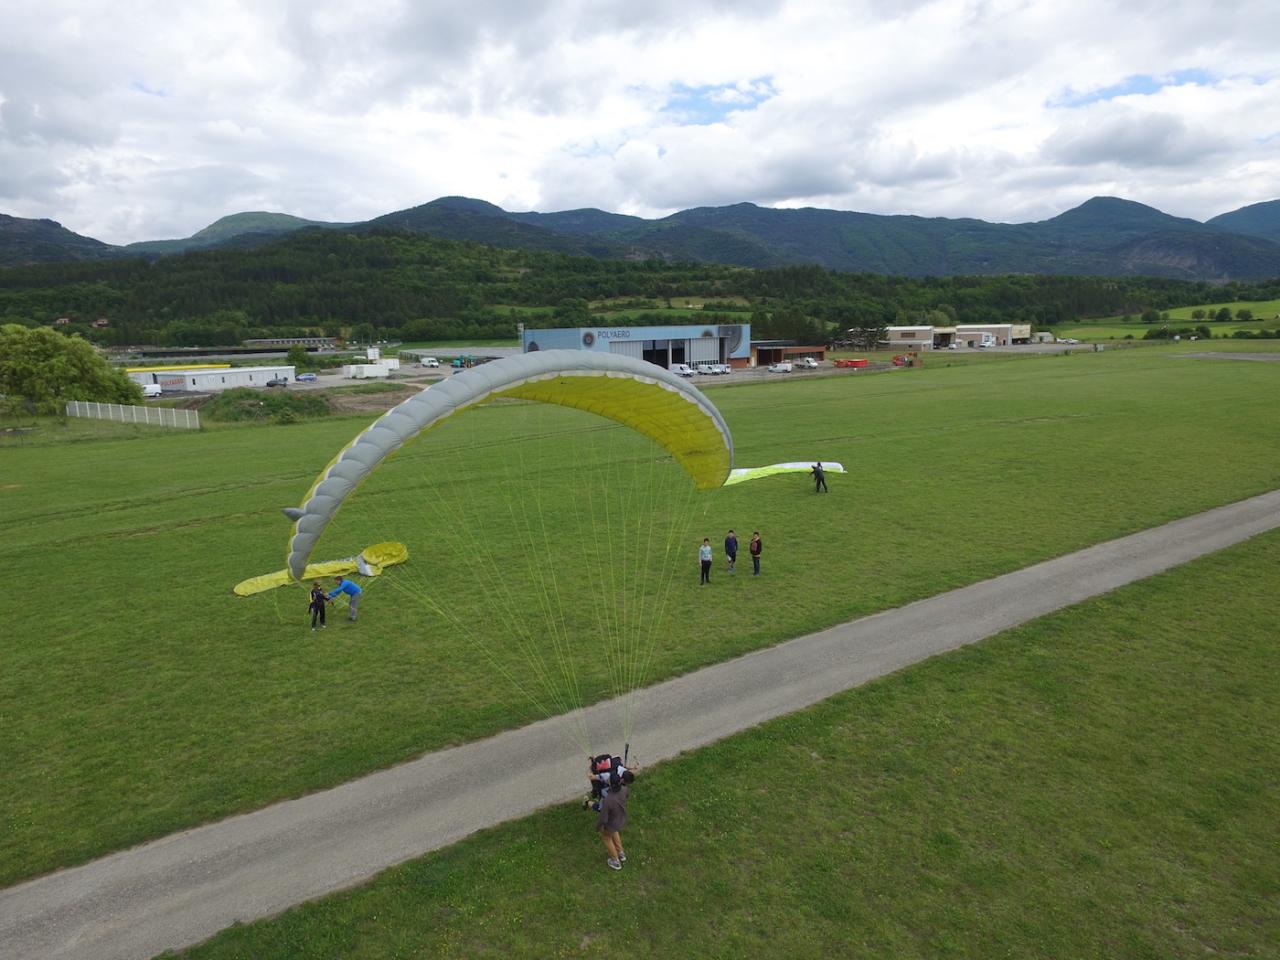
x: 635, y: 393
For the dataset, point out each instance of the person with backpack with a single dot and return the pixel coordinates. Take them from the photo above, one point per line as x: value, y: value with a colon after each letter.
x: 731, y: 550
x: 612, y: 818
x: 754, y: 548
x: 603, y: 773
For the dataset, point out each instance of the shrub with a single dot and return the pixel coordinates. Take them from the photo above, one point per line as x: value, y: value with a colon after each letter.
x: 244, y: 404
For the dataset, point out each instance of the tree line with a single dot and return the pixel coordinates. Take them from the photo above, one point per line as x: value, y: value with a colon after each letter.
x: 389, y: 285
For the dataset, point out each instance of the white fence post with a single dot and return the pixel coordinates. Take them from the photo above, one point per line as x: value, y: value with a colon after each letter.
x: 164, y: 417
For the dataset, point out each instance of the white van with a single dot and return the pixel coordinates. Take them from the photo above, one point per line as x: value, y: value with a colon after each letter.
x: 783, y: 366
x: 428, y: 362
x: 681, y: 369
x: 151, y: 390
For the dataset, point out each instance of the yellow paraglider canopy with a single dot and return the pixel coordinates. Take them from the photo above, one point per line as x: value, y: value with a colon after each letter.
x: 647, y: 398
x: 369, y: 562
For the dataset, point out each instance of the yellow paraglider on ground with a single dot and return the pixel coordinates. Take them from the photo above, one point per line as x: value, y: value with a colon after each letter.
x: 369, y: 562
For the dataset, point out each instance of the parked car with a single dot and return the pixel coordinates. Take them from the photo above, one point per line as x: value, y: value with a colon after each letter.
x: 723, y: 369
x: 682, y: 369
x: 278, y: 382
x: 783, y: 366
x: 806, y: 363
x: 428, y: 362
x: 151, y: 390
x: 704, y: 368
x: 306, y: 378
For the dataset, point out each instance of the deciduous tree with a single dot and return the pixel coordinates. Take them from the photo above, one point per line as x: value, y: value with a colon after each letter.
x: 40, y: 370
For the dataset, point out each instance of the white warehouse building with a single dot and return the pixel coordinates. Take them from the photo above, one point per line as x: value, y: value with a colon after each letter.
x: 208, y: 379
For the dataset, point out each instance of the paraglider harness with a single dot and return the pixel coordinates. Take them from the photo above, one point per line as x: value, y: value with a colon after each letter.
x: 606, y: 773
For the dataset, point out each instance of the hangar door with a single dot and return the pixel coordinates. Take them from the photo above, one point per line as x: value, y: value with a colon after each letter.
x: 628, y: 348
x: 704, y: 350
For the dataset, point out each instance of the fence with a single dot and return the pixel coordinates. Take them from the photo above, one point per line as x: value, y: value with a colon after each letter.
x: 156, y: 416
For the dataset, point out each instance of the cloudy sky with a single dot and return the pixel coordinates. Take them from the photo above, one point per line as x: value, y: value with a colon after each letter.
x: 134, y: 120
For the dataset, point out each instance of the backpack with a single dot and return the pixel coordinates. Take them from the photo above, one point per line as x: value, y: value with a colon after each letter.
x: 605, y: 765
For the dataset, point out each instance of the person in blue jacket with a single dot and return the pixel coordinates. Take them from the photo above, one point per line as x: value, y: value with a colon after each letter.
x: 352, y: 591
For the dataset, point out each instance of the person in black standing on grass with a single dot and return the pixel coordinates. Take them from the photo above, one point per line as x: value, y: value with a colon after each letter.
x: 318, y: 599
x: 819, y: 478
x: 754, y: 548
x: 731, y: 550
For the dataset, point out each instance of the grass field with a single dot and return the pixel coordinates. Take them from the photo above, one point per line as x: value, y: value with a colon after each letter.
x: 1097, y: 783
x: 138, y: 696
x: 1266, y: 315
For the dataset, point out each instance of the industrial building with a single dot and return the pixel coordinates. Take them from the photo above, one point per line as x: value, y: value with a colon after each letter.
x: 967, y: 335
x: 311, y: 343
x: 690, y: 343
x: 207, y: 378
x: 765, y: 352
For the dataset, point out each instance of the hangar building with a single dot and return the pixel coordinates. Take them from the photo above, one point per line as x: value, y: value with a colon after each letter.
x: 689, y: 343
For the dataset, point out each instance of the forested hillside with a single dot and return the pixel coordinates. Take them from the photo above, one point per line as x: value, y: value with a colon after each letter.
x: 1104, y: 236
x: 398, y: 285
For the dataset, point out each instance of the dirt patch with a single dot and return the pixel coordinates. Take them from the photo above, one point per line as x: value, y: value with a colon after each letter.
x: 347, y: 403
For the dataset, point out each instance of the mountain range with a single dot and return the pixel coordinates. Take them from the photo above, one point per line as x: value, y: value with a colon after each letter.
x: 1105, y: 236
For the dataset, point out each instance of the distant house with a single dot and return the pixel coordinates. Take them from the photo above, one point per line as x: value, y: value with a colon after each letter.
x: 101, y: 322
x: 62, y: 321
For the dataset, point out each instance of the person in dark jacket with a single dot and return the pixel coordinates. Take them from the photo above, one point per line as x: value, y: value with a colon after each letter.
x: 819, y: 478
x: 754, y: 548
x: 318, y: 600
x: 731, y: 550
x: 612, y: 818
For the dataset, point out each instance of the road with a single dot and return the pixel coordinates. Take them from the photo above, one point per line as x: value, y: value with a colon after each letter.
x: 181, y: 889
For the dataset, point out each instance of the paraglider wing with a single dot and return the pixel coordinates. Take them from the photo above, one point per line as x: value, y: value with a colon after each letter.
x: 635, y: 393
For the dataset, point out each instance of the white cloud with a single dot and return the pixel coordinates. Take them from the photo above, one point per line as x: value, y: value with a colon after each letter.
x: 138, y: 121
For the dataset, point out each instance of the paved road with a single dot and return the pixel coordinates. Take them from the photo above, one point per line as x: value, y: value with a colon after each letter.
x: 181, y: 889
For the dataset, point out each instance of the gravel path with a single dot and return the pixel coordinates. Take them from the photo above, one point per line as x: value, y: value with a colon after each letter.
x: 181, y: 889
